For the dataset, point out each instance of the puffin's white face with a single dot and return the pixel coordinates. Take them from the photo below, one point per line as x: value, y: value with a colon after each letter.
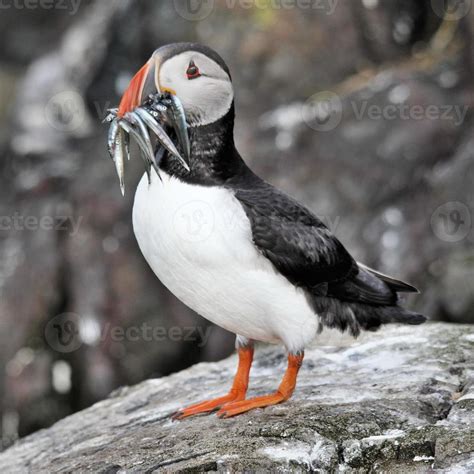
x: 203, y: 87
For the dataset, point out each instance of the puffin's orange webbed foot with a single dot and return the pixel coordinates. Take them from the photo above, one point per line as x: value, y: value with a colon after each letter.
x: 284, y: 392
x: 237, y: 392
x: 207, y: 406
x: 237, y: 408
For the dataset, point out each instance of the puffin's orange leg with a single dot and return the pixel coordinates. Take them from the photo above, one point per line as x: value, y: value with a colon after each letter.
x: 284, y: 392
x: 236, y: 393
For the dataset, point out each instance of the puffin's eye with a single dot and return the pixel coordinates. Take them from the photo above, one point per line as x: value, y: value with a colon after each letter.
x: 193, y: 71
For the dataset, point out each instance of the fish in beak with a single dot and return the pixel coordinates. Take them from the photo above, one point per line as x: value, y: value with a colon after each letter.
x: 144, y: 112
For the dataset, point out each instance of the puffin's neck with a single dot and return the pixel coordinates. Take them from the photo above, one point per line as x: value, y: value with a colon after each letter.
x: 214, y: 159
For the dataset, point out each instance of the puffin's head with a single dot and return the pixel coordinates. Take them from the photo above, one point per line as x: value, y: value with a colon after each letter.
x: 197, y: 75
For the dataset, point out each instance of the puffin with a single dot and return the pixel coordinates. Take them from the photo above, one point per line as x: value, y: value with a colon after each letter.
x: 232, y: 247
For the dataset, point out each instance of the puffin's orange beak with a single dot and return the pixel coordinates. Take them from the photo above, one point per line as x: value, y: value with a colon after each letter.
x: 144, y: 83
x: 133, y: 95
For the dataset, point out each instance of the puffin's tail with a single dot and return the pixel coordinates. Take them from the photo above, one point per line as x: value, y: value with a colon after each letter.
x: 370, y: 318
x: 364, y: 302
x: 357, y: 317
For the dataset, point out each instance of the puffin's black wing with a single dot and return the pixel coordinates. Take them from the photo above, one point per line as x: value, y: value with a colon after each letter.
x: 298, y: 244
x: 344, y: 294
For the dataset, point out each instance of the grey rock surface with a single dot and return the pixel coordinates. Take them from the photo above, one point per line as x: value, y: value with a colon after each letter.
x: 399, y: 400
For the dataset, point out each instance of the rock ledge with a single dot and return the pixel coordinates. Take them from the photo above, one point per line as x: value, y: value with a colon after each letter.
x: 399, y: 400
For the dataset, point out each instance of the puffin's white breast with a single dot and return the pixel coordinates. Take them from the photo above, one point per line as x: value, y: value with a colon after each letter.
x: 198, y: 241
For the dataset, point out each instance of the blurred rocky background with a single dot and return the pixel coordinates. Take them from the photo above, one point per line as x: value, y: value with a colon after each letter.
x: 362, y: 109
